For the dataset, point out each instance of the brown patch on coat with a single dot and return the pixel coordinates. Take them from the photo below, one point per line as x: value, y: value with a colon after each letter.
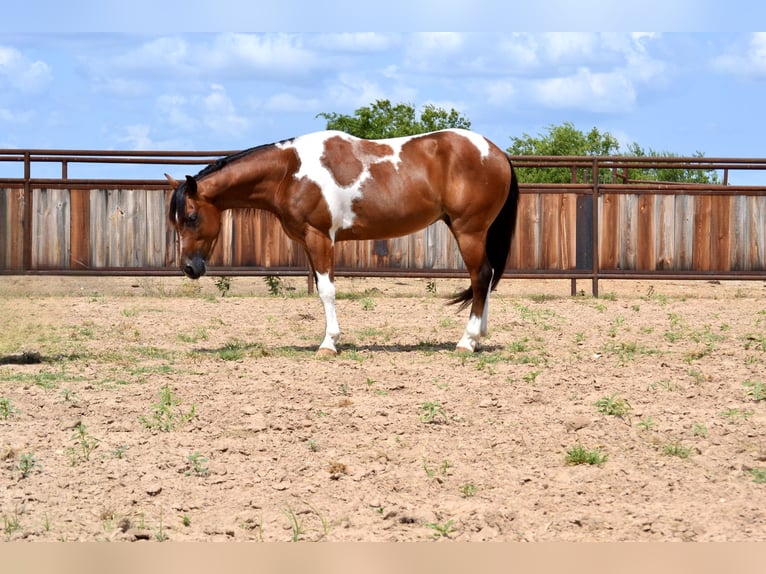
x: 346, y: 160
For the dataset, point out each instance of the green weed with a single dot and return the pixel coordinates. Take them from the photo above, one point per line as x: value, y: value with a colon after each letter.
x: 223, y: 284
x: 27, y: 463
x: 83, y: 445
x: 580, y: 455
x: 613, y: 405
x: 441, y: 529
x: 468, y: 490
x: 699, y: 429
x: 756, y: 390
x: 433, y: 412
x: 166, y: 414
x: 7, y: 410
x: 197, y: 465
x: 647, y: 424
x: 676, y: 449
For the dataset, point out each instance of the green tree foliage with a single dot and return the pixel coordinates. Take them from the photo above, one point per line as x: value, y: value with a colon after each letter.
x: 565, y: 139
x: 383, y: 119
x: 561, y: 140
x: 667, y: 174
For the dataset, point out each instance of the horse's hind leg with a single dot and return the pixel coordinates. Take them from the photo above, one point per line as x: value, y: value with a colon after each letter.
x: 481, y: 272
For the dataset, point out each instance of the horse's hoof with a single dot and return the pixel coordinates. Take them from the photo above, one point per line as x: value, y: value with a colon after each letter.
x: 326, y: 352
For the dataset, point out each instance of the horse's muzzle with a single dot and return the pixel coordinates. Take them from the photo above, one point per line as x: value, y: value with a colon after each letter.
x: 194, y: 268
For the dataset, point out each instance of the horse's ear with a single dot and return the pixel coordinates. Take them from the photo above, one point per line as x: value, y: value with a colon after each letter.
x: 191, y: 186
x: 173, y: 182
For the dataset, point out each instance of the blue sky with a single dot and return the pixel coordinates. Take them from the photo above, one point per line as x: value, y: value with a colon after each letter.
x: 168, y: 89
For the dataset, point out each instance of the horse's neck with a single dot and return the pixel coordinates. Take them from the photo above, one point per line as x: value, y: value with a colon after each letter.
x: 251, y: 183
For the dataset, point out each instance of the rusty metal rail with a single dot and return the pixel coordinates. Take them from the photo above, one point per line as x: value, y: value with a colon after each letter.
x: 586, y: 183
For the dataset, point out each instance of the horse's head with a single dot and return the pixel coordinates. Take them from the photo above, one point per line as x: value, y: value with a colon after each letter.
x: 197, y: 223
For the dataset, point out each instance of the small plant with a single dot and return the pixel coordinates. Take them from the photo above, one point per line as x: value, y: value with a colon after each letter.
x: 368, y: 303
x: 531, y: 376
x: 223, y: 284
x: 756, y: 390
x: 699, y: 429
x: 735, y: 415
x: 275, y: 285
x: 647, y: 424
x: 69, y: 396
x: 186, y: 520
x: 433, y: 412
x: 759, y: 475
x: 166, y: 415
x: 614, y: 406
x: 27, y: 462
x: 441, y: 529
x: 119, y: 451
x: 580, y: 455
x: 697, y: 375
x: 196, y: 465
x: 431, y: 287
x: 676, y: 449
x: 84, y: 445
x: 312, y: 444
x: 10, y: 525
x: 468, y: 490
x: 159, y: 534
x: 7, y: 410
x: 295, y: 524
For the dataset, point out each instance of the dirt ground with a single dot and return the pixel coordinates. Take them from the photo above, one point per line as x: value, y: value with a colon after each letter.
x: 159, y: 409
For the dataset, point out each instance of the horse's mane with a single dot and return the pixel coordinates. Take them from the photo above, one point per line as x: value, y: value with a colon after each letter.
x: 177, y: 200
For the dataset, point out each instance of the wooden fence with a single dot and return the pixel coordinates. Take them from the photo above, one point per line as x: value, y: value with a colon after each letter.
x: 641, y: 229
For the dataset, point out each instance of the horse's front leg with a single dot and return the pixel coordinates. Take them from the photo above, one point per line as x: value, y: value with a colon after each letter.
x: 326, y: 289
x: 319, y: 249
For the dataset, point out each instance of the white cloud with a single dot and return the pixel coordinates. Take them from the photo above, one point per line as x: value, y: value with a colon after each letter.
x: 587, y: 90
x: 277, y: 54
x: 747, y: 61
x: 501, y: 92
x: 23, y: 74
x: 214, y: 110
x: 352, y: 42
x: 220, y: 114
x: 137, y: 137
x: 568, y: 45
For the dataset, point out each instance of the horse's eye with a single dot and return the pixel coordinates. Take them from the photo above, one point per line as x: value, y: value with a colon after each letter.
x: 192, y: 218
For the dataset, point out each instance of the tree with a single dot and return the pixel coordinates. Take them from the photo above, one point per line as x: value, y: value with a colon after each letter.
x: 670, y: 174
x: 561, y: 140
x: 568, y: 140
x: 385, y: 120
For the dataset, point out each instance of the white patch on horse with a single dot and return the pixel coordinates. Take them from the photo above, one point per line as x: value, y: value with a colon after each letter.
x: 477, y: 140
x: 326, y: 290
x: 339, y: 199
x: 471, y: 335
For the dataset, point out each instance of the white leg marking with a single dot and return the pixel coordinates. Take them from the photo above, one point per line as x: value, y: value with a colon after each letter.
x: 485, y: 313
x: 326, y: 290
x: 471, y: 335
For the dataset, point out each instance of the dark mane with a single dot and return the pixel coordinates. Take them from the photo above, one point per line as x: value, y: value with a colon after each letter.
x: 177, y: 200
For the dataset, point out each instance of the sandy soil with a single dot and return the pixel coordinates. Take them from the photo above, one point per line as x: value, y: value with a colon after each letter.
x: 398, y: 438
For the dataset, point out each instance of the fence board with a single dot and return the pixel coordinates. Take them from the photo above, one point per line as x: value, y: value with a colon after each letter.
x: 79, y: 229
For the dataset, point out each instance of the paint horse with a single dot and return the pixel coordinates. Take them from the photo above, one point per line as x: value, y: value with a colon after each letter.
x: 329, y: 186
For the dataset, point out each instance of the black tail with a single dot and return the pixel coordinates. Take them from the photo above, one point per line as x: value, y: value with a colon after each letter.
x: 499, y: 238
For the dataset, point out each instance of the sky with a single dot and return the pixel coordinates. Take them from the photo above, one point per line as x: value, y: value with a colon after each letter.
x: 67, y: 82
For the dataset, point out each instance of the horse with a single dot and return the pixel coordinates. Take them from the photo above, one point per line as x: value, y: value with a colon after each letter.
x: 330, y: 186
